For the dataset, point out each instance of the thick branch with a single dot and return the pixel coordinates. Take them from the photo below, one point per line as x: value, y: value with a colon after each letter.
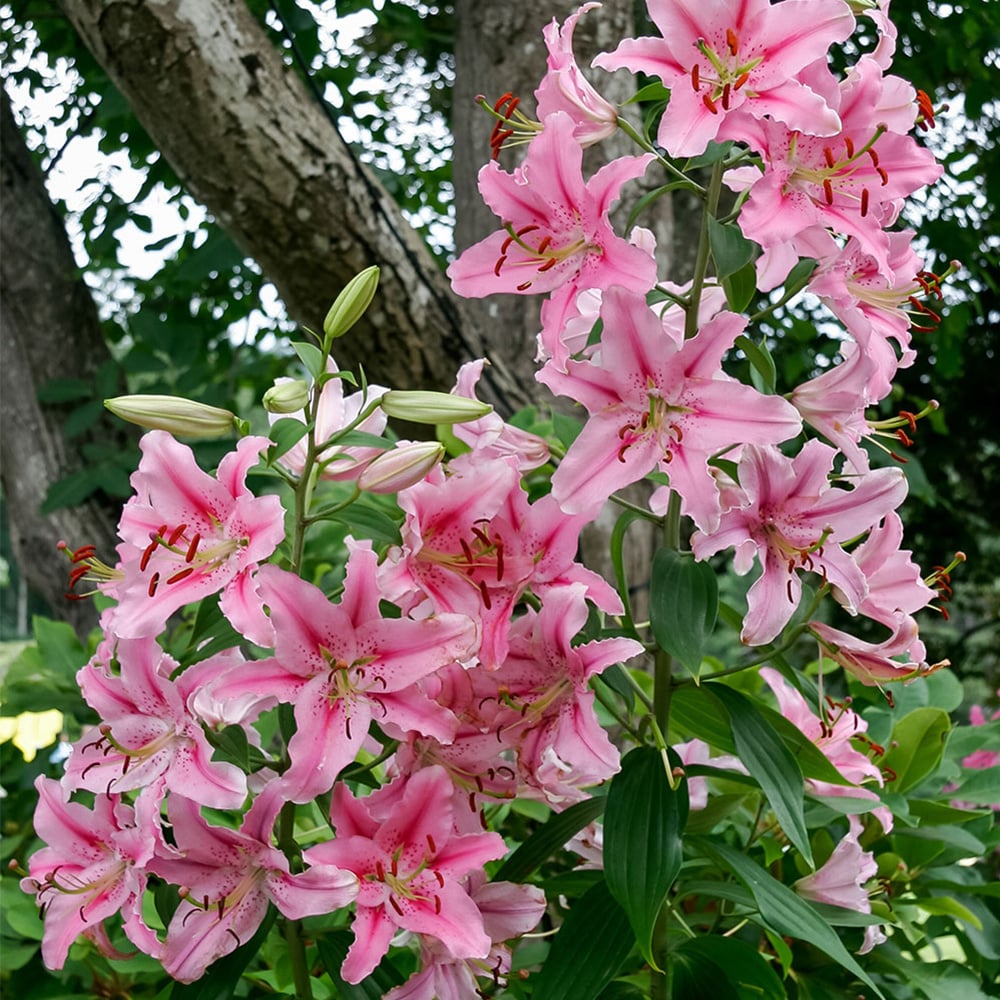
x: 258, y: 151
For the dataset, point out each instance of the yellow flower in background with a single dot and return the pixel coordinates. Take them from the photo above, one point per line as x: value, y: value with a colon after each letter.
x: 31, y: 731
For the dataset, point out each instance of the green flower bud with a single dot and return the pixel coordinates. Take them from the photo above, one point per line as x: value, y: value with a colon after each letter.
x: 422, y: 407
x: 174, y: 414
x: 351, y: 303
x: 288, y: 395
x: 403, y: 466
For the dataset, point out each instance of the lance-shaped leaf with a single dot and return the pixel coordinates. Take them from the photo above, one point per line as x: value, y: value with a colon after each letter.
x: 683, y: 605
x: 731, y: 250
x: 773, y: 765
x: 720, y: 968
x: 588, y: 951
x: 548, y: 838
x: 643, y: 827
x: 782, y: 910
x: 917, y: 744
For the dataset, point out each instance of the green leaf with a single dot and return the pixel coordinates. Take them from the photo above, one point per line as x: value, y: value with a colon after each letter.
x: 768, y: 759
x: 365, y: 520
x: 651, y: 92
x: 618, y: 562
x: 548, y: 839
x: 983, y: 787
x: 683, y: 605
x: 310, y: 356
x: 586, y: 954
x: 333, y: 947
x: 643, y: 839
x: 943, y: 813
x: 713, y: 967
x: 763, y: 372
x: 43, y: 676
x: 731, y: 250
x: 917, y: 745
x: 285, y: 434
x: 65, y: 390
x: 945, y: 906
x: 783, y: 911
x: 740, y: 287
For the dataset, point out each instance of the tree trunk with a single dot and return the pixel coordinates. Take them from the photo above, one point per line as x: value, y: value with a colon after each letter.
x: 50, y: 330
x: 250, y: 142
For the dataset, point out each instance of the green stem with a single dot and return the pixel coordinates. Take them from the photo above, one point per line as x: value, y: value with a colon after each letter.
x: 704, y: 250
x: 293, y: 928
x: 641, y: 141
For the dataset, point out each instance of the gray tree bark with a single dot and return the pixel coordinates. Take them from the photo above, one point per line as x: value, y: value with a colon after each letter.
x: 252, y: 144
x: 50, y: 330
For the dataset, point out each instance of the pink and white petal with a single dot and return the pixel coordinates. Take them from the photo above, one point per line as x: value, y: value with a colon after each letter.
x: 373, y: 931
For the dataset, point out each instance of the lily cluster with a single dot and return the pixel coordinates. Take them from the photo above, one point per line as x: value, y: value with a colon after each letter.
x: 447, y: 674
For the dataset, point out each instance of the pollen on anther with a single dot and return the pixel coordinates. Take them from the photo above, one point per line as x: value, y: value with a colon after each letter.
x: 695, y: 77
x: 732, y: 41
x: 154, y: 582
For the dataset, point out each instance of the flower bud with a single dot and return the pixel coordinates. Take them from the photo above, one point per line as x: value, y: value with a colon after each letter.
x: 404, y: 466
x: 287, y: 395
x: 423, y: 407
x: 173, y: 414
x: 351, y: 303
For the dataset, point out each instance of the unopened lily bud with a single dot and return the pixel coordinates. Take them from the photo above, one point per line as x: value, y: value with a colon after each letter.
x: 404, y: 466
x: 351, y: 303
x: 423, y: 407
x: 288, y: 395
x: 173, y: 414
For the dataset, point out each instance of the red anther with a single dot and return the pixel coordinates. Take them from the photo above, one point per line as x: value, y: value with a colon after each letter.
x: 625, y: 429
x: 395, y: 905
x: 910, y: 418
x: 828, y: 191
x: 885, y: 177
x: 828, y: 156
x: 160, y: 532
x: 709, y: 103
x: 154, y: 582
x: 147, y: 554
x: 788, y: 589
x: 512, y: 106
x: 180, y: 575
x: 77, y: 574
x: 437, y: 904
x: 440, y: 878
x: 482, y: 819
x: 83, y: 552
x: 726, y: 90
x: 347, y: 726
x: 380, y: 871
x: 524, y: 230
x: 944, y: 614
x: 430, y: 844
x: 481, y: 535
x: 500, y: 263
x: 193, y: 548
x: 394, y: 867
x: 502, y: 100
x: 548, y: 265
x: 544, y: 245
x: 621, y: 452
x: 499, y: 550
x: 466, y: 551
x: 668, y: 456
x: 472, y: 801
x: 486, y: 595
x: 678, y: 433
x: 904, y: 438
x: 695, y: 77
x: 849, y: 146
x: 524, y: 286
x: 926, y: 109
x: 741, y: 80
x: 873, y: 155
x: 176, y: 533
x: 864, y: 202
x: 732, y: 41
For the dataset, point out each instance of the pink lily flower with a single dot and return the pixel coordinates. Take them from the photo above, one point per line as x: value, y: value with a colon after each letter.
x: 899, y: 658
x: 852, y: 182
x: 191, y: 535
x: 94, y: 866
x: 732, y: 61
x: 508, y: 911
x: 339, y: 663
x: 832, y: 733
x: 656, y: 403
x: 565, y: 88
x: 147, y: 731
x: 409, y: 866
x: 555, y: 225
x: 551, y: 720
x: 840, y: 881
x: 227, y: 878
x: 793, y: 519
